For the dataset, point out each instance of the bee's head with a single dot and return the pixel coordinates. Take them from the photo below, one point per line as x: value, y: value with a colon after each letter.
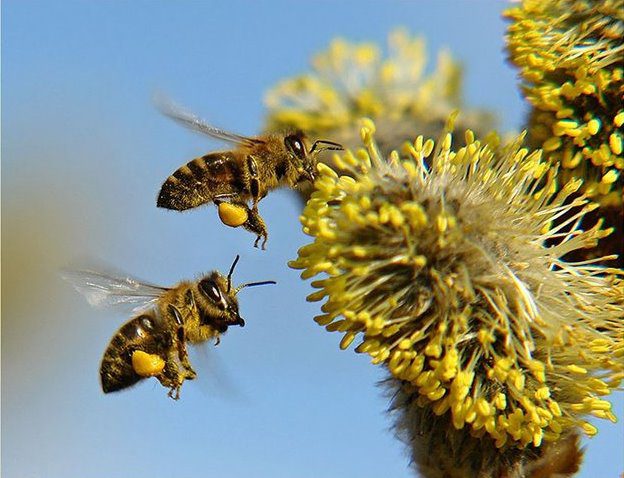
x: 296, y: 144
x: 217, y: 307
x: 217, y: 303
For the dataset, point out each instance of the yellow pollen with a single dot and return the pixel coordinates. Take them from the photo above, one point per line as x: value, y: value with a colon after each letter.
x: 147, y: 365
x: 232, y: 215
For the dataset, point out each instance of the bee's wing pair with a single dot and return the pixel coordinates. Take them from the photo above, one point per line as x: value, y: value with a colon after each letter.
x: 109, y: 290
x: 189, y: 120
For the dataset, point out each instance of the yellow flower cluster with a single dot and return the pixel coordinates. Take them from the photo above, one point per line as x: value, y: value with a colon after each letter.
x: 350, y: 81
x: 571, y: 59
x: 436, y: 265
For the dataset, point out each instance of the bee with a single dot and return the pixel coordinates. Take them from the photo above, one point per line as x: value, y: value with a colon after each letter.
x: 154, y: 342
x: 230, y: 179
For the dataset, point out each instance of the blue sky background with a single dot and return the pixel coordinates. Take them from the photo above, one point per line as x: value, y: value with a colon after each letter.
x: 83, y: 155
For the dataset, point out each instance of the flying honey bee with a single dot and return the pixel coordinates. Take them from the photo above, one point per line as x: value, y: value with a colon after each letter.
x: 230, y: 179
x: 154, y: 342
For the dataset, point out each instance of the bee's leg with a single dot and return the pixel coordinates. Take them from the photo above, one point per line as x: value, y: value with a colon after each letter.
x: 174, y: 393
x: 190, y: 300
x: 254, y: 182
x: 181, y: 343
x: 256, y: 224
x: 233, y: 211
x: 248, y: 218
x: 171, y: 377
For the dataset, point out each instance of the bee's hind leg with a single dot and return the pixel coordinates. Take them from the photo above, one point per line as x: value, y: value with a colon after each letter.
x: 256, y: 224
x: 238, y: 213
x: 174, y: 392
x: 171, y: 378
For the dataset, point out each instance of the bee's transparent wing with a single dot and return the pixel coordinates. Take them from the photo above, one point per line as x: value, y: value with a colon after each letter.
x: 107, y: 290
x: 189, y: 120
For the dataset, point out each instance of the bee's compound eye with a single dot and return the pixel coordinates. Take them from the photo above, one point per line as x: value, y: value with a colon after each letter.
x: 294, y: 143
x: 209, y: 288
x: 297, y: 146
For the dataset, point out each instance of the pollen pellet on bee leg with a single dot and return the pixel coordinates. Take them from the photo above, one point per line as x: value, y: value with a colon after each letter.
x: 147, y: 365
x: 232, y: 215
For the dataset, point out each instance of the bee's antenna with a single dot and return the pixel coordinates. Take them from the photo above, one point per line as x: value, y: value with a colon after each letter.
x: 229, y: 276
x: 331, y: 146
x: 253, y: 284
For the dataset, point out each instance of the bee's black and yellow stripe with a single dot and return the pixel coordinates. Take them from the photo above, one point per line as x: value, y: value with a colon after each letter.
x: 201, y: 180
x: 140, y: 333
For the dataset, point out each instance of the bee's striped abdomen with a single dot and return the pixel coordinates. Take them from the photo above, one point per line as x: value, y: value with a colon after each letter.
x: 140, y: 333
x: 199, y: 181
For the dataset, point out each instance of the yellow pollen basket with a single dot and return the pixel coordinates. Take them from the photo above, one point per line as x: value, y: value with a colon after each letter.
x: 147, y: 365
x: 232, y: 215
